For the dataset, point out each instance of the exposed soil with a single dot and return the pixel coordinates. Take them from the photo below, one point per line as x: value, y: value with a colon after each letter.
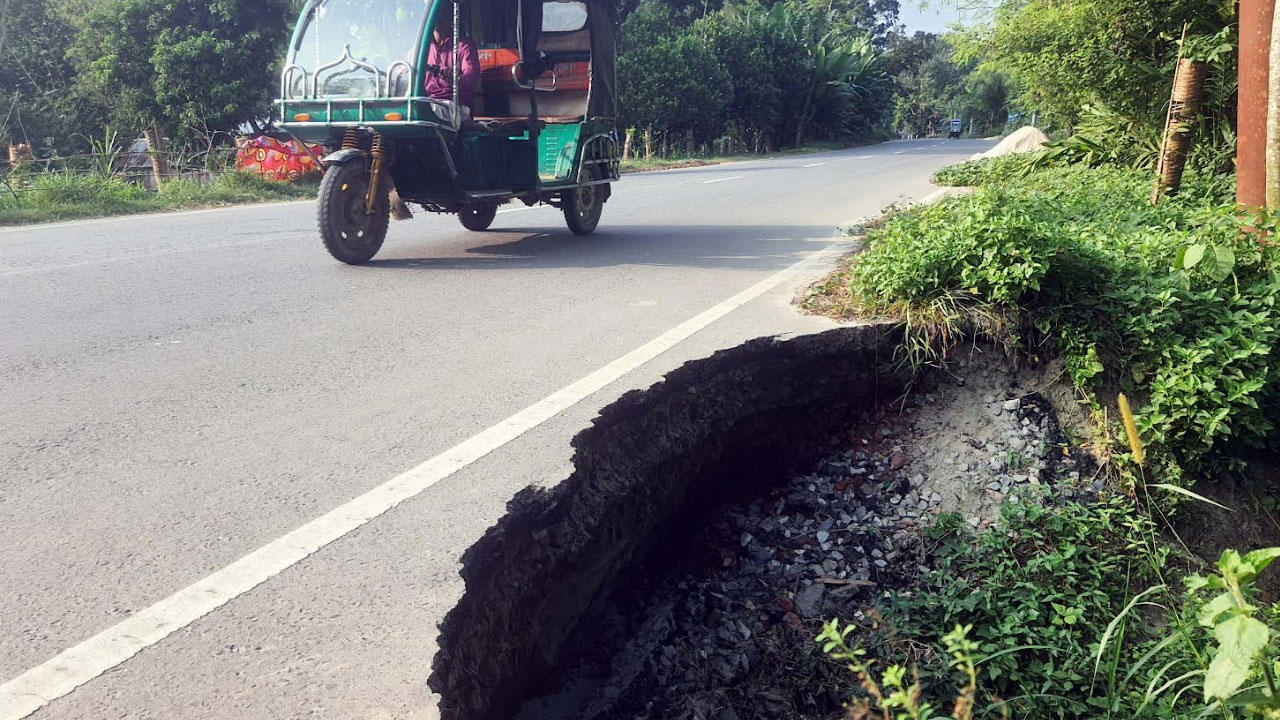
x: 720, y: 625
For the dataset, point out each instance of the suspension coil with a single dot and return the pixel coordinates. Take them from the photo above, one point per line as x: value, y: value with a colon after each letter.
x: 377, y: 154
x: 351, y: 139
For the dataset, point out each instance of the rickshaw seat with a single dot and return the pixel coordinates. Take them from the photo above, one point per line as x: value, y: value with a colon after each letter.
x: 516, y: 123
x: 500, y: 124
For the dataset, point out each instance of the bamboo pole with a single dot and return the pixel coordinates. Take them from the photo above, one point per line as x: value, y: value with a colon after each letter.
x: 159, y: 155
x: 1184, y: 106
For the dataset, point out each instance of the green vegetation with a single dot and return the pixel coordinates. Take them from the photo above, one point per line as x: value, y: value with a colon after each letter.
x: 1065, y: 54
x: 1171, y: 304
x: 1069, y: 612
x: 63, y: 196
x: 764, y: 77
x: 982, y: 172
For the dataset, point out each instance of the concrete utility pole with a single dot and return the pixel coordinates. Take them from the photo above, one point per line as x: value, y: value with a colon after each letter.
x: 1255, y: 50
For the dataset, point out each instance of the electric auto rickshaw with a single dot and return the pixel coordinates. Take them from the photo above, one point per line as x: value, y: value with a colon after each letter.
x: 539, y: 128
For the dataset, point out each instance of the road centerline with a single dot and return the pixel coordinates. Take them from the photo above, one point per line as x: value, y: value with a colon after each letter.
x: 720, y: 180
x: 80, y: 664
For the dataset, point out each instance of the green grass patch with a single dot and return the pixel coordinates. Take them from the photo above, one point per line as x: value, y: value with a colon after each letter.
x: 65, y: 196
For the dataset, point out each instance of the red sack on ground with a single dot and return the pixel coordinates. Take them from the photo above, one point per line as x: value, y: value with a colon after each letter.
x: 275, y: 160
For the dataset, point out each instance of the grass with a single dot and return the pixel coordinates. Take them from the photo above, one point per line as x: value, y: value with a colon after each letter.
x: 65, y: 196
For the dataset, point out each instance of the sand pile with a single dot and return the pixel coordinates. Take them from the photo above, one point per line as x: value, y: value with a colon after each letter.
x: 1023, y: 140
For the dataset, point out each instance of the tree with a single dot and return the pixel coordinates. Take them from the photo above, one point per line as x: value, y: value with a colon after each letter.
x: 929, y: 82
x: 842, y: 72
x: 986, y: 98
x: 1064, y: 54
x: 765, y: 63
x: 179, y: 64
x: 669, y: 79
x: 36, y: 105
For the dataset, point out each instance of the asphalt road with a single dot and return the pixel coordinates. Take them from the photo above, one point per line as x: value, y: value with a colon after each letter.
x: 187, y: 393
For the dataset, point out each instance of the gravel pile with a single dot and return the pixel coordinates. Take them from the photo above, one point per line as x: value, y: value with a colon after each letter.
x: 727, y: 633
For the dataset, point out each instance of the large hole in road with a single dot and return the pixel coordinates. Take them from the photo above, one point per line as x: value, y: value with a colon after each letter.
x: 695, y: 545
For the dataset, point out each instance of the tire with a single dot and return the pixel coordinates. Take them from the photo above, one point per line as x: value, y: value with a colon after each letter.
x: 351, y: 235
x: 478, y: 218
x: 583, y: 205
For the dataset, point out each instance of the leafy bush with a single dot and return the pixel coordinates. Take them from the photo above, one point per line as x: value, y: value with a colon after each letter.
x: 983, y: 171
x: 1103, y: 137
x: 1039, y: 590
x: 1172, y: 304
x: 1050, y: 623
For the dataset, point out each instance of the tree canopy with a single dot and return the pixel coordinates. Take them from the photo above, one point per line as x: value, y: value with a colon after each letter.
x: 182, y: 62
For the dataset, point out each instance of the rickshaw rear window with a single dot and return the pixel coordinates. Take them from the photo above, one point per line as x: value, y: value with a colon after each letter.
x: 563, y: 16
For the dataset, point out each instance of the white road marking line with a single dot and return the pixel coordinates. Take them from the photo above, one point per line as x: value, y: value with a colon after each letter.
x: 815, y: 165
x: 864, y: 157
x: 900, y: 152
x: 709, y: 182
x: 80, y: 664
x: 147, y: 216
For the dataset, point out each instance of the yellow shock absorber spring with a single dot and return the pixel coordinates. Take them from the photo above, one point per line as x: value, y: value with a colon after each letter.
x: 378, y: 153
x: 351, y: 139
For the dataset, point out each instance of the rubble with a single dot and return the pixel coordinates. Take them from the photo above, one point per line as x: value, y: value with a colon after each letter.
x: 745, y: 595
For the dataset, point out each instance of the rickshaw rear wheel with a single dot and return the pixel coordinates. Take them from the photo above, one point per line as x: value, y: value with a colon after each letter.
x: 584, y: 205
x: 350, y: 234
x: 478, y: 217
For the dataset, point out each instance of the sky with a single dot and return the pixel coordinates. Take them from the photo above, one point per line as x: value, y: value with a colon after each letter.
x: 935, y: 16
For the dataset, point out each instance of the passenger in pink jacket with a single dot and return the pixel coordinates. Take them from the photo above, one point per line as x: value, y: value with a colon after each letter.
x: 440, y: 55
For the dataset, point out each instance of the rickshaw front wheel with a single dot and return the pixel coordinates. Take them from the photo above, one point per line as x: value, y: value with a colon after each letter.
x: 351, y: 234
x: 478, y: 217
x: 583, y: 205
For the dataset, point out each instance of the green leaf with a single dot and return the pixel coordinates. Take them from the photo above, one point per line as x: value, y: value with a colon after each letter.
x: 1193, y: 256
x: 1209, y: 613
x: 1188, y: 493
x: 1240, y: 639
x: 1257, y: 561
x: 1220, y: 262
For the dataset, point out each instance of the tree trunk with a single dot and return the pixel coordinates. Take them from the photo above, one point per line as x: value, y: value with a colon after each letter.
x: 648, y: 143
x: 1256, y: 20
x: 626, y: 145
x: 1188, y: 89
x: 159, y: 154
x: 690, y: 148
x: 1273, y: 120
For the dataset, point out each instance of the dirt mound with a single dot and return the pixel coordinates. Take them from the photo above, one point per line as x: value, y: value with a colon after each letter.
x: 1023, y: 140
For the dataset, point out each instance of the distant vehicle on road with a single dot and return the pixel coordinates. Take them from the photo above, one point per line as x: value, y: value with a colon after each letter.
x: 368, y: 77
x: 957, y: 129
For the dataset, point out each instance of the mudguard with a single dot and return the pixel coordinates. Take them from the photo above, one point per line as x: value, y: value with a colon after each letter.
x: 342, y: 157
